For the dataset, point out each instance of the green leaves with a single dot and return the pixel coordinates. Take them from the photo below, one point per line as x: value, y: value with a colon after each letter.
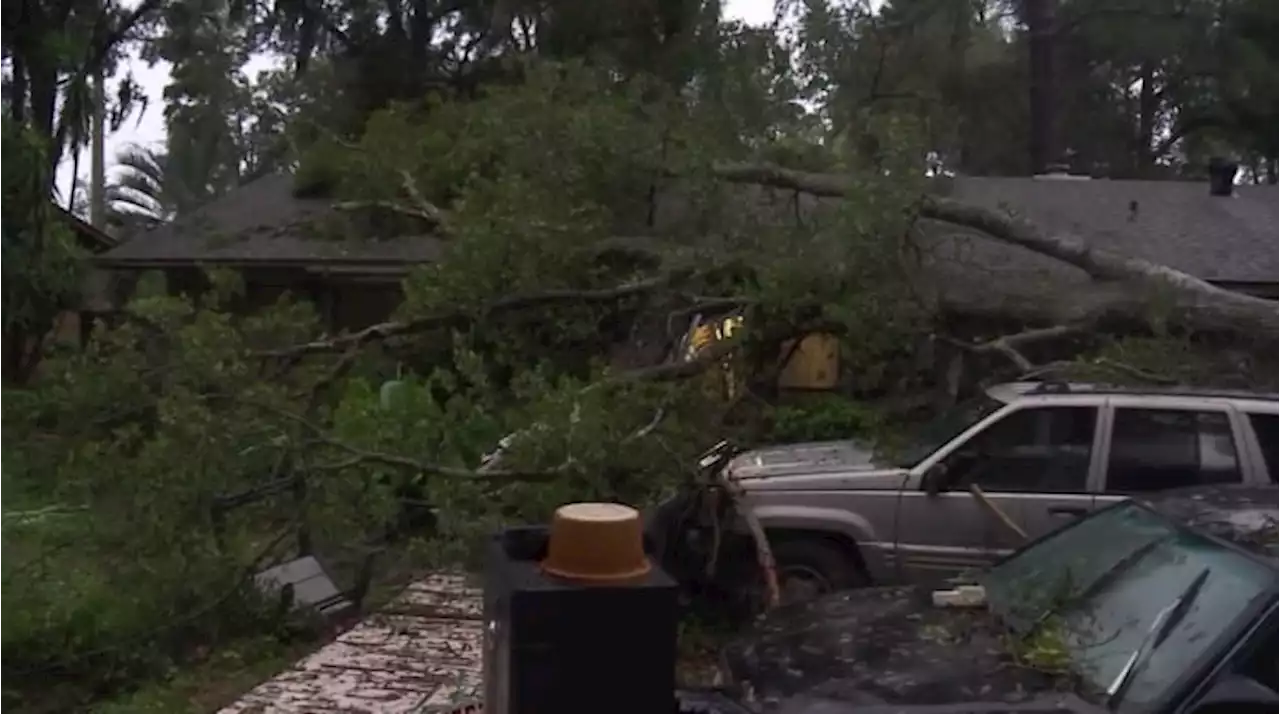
x: 41, y: 262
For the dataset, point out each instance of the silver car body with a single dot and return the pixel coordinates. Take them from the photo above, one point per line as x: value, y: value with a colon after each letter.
x: 904, y: 533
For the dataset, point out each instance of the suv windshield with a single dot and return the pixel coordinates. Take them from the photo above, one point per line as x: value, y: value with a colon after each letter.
x: 935, y: 433
x: 1097, y: 586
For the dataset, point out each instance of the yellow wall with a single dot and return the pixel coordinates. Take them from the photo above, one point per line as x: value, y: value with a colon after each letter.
x: 814, y: 365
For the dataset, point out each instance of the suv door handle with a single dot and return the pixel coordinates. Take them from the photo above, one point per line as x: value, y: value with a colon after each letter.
x: 1073, y: 511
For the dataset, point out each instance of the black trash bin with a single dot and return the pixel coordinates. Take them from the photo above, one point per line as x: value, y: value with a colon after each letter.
x: 555, y: 646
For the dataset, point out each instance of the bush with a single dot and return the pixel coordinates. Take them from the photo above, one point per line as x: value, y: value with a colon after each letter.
x: 823, y: 418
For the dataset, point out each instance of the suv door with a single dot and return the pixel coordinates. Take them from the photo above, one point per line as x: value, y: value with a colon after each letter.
x: 1161, y: 447
x: 1034, y: 462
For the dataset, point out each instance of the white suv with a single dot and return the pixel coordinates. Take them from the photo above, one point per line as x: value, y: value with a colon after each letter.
x: 841, y: 515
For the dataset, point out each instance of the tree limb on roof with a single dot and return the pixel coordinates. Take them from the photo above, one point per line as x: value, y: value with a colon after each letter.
x: 1201, y: 305
x: 1008, y: 344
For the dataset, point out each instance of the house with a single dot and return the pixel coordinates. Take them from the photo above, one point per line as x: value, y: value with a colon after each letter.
x: 276, y: 240
x: 278, y: 244
x: 1225, y: 237
x: 91, y: 239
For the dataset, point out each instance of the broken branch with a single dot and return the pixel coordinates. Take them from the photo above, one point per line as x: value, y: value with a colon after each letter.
x: 764, y: 552
x: 425, y: 207
x: 392, y: 206
x: 1008, y: 344
x: 990, y: 507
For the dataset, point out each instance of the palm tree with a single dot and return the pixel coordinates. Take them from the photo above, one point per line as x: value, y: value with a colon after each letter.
x: 143, y: 191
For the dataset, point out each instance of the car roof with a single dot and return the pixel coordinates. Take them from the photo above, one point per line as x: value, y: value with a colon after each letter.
x: 1244, y: 515
x: 1009, y: 392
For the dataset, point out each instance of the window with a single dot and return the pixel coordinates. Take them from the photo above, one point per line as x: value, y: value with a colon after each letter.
x: 1038, y: 450
x: 1157, y: 449
x: 1265, y: 426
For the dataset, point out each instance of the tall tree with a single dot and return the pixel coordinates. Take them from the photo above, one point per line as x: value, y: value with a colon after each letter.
x: 41, y: 262
x: 1042, y: 97
x: 143, y: 190
x: 54, y: 50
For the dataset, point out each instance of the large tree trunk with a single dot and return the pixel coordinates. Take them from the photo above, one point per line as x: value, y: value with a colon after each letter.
x: 1189, y: 301
x: 1147, y: 107
x: 1042, y: 95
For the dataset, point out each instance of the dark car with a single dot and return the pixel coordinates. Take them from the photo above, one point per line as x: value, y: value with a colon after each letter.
x: 1167, y: 605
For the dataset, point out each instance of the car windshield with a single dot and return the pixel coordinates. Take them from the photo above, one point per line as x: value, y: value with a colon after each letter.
x: 1096, y: 587
x: 935, y: 433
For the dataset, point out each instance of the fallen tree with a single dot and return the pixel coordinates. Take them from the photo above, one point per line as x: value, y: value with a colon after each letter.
x: 1125, y: 286
x: 513, y: 331
x: 1197, y: 304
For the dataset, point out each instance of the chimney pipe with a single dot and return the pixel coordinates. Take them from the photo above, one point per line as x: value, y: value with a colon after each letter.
x: 1222, y: 176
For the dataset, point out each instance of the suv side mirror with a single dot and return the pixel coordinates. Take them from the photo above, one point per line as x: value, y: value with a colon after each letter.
x: 935, y: 479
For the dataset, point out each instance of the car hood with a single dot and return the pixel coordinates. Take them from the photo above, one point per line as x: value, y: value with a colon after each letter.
x: 885, y: 647
x: 809, y: 458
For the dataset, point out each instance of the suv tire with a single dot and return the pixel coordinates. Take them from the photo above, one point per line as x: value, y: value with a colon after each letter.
x: 809, y: 566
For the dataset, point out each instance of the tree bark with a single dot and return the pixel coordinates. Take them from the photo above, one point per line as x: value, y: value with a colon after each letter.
x: 18, y: 100
x: 1147, y: 106
x: 1042, y: 89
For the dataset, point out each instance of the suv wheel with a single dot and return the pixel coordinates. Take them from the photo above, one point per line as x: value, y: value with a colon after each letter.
x: 809, y: 567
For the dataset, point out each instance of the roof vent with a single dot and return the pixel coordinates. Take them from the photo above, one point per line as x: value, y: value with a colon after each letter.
x: 1222, y: 176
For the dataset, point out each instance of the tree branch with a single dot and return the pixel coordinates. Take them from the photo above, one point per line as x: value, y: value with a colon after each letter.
x: 360, y: 455
x: 1008, y: 344
x: 387, y: 330
x: 1102, y: 363
x: 392, y: 206
x: 672, y: 371
x: 1204, y: 306
x: 422, y: 209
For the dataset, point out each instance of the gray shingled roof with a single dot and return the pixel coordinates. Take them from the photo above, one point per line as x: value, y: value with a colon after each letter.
x: 1224, y: 239
x: 1179, y: 224
x: 92, y: 239
x: 262, y: 222
x: 1176, y: 223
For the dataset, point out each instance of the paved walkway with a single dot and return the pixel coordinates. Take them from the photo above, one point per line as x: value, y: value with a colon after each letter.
x: 421, y: 653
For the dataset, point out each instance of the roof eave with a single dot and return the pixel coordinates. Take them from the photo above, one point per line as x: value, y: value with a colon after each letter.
x: 99, y: 240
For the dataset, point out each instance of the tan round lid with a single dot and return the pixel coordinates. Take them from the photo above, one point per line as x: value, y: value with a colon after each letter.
x: 596, y: 543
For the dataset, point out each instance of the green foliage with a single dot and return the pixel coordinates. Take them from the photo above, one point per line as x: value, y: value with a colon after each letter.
x: 212, y: 681
x: 1045, y: 649
x: 1142, y: 361
x: 41, y: 260
x: 824, y: 418
x: 176, y: 405
x: 116, y: 572
x: 136, y: 436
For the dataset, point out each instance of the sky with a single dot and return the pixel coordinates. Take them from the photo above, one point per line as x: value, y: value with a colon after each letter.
x: 146, y: 128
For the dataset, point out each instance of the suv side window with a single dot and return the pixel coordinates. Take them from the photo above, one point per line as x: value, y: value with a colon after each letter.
x: 1034, y: 450
x: 1265, y: 427
x: 1158, y: 449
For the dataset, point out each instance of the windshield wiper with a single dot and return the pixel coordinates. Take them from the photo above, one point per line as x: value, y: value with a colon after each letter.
x: 1099, y: 582
x: 1161, y: 626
